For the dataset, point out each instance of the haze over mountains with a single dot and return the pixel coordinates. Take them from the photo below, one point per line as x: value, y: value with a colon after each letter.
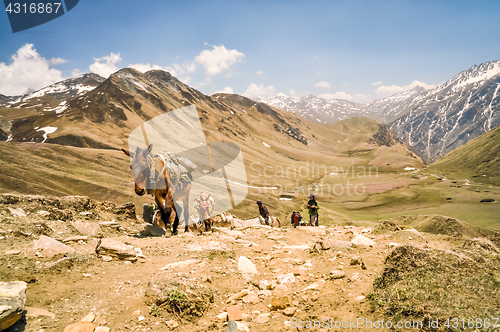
x: 431, y: 122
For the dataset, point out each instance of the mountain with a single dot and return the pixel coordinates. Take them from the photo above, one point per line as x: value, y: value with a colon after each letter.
x: 458, y: 110
x: 331, y: 110
x: 102, y: 118
x: 392, y: 107
x: 431, y: 122
x: 319, y: 109
x: 478, y: 158
x: 54, y: 95
x: 4, y: 100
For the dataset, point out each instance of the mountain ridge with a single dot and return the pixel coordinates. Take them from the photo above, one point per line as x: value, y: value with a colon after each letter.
x: 431, y: 122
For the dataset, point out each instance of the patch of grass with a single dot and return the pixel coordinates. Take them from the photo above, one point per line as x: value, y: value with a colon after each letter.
x: 155, y: 311
x: 177, y: 296
x: 223, y: 254
x: 423, y: 283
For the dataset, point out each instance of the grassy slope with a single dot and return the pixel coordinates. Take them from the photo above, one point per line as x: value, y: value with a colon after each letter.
x: 478, y: 158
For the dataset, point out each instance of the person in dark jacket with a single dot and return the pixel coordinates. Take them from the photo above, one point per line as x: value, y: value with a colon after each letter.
x: 263, y: 212
x: 313, y: 207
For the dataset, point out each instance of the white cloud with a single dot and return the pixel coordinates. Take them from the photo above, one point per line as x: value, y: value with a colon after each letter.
x: 145, y: 67
x: 106, y: 65
x: 337, y: 95
x: 56, y: 61
x: 323, y: 84
x: 346, y: 84
x: 260, y: 72
x: 254, y: 90
x: 293, y: 93
x: 227, y: 89
x: 376, y: 83
x: 28, y: 70
x: 393, y: 89
x: 218, y: 59
x: 76, y: 72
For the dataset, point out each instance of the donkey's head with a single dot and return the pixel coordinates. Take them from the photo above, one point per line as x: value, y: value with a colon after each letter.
x: 139, y: 166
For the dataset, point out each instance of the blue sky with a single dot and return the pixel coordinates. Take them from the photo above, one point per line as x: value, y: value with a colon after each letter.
x: 355, y: 50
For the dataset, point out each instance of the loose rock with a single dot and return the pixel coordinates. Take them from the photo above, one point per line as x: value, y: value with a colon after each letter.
x: 51, y: 247
x: 360, y: 240
x: 279, y: 303
x: 117, y: 249
x: 12, y: 302
x: 246, y: 266
x: 80, y: 327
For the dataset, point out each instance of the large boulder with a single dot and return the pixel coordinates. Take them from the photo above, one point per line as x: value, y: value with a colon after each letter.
x: 114, y: 248
x: 12, y: 302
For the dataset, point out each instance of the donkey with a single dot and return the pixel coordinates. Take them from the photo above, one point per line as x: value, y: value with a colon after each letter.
x: 165, y: 196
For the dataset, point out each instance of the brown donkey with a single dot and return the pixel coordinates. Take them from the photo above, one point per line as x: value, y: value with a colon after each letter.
x: 165, y: 196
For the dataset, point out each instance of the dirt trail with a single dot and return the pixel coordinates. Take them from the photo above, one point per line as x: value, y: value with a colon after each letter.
x: 122, y: 293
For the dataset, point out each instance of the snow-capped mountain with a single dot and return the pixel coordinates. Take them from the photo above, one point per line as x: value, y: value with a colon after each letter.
x: 458, y: 110
x: 432, y: 122
x: 391, y: 108
x: 55, y: 96
x: 328, y: 111
x: 318, y: 109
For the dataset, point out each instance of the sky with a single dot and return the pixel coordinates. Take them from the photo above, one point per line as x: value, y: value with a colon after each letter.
x: 354, y: 50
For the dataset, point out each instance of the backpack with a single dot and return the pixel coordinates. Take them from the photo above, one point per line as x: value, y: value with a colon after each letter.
x: 148, y: 212
x: 296, y: 218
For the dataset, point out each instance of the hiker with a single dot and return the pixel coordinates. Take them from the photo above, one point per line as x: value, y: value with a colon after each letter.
x: 263, y: 212
x: 313, y: 207
x: 296, y: 218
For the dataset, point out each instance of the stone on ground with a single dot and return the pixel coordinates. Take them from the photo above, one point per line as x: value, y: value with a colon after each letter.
x: 80, y: 327
x: 153, y: 230
x: 262, y: 318
x: 337, y: 274
x: 102, y: 329
x: 36, y: 312
x: 12, y: 302
x: 234, y: 312
x: 246, y: 266
x: 360, y: 240
x: 87, y: 228
x: 279, y: 303
x: 286, y: 278
x: 316, y: 285
x: 181, y: 264
x: 215, y: 246
x: 114, y: 248
x: 290, y: 311
x: 51, y: 247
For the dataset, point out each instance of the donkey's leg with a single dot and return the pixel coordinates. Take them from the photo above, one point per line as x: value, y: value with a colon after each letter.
x: 165, y: 210
x: 185, y: 204
x: 178, y: 210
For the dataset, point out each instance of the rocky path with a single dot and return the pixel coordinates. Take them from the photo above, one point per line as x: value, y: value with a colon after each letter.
x: 94, y: 271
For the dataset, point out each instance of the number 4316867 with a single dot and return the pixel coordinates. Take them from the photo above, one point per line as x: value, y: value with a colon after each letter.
x: 33, y: 8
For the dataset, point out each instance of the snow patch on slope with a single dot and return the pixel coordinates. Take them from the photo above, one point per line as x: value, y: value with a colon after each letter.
x: 47, y: 130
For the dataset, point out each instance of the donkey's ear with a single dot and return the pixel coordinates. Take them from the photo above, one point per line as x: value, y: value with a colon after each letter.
x: 127, y: 152
x: 150, y: 148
